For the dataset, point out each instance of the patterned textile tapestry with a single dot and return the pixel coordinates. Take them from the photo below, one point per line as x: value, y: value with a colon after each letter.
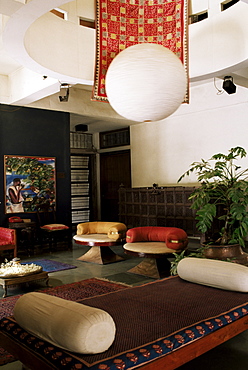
x: 123, y: 23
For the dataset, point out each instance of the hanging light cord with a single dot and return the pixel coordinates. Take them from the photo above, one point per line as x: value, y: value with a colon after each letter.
x: 219, y: 92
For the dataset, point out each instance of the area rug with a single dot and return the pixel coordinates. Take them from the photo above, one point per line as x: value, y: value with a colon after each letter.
x: 120, y: 24
x: 51, y: 266
x: 72, y: 292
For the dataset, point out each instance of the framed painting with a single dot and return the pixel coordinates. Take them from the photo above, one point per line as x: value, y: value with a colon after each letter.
x: 29, y: 181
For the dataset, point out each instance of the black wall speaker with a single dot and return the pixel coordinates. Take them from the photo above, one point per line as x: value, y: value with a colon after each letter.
x: 228, y: 85
x: 81, y: 127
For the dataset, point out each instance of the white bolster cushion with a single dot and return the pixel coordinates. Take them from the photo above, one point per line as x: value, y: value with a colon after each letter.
x: 69, y: 325
x: 214, y: 273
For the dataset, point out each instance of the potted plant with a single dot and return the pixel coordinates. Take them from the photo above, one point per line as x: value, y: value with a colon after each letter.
x: 223, y: 197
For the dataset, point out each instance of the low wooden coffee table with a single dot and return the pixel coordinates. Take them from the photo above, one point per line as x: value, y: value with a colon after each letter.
x: 5, y: 282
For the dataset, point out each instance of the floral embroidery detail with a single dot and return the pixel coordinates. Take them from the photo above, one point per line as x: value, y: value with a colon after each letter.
x: 66, y: 360
x: 31, y: 340
x: 9, y: 326
x: 168, y: 343
x: 103, y: 367
x: 219, y: 322
x: 48, y: 350
x: 23, y: 336
x: 209, y: 324
x: 228, y: 318
x: 145, y: 352
x: 236, y: 315
x: 120, y: 365
x: 179, y: 338
x: 16, y: 331
x: 56, y: 355
x: 157, y: 348
x: 39, y: 344
x: 190, y: 334
x: 200, y: 329
x: 132, y: 357
x: 76, y: 366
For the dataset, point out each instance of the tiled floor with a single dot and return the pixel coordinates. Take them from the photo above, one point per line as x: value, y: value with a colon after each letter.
x: 232, y: 355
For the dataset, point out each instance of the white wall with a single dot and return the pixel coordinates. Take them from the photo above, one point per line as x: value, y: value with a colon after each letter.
x: 218, y: 43
x: 162, y: 151
x: 70, y: 51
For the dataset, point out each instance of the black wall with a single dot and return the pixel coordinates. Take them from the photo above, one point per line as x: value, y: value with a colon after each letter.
x: 37, y: 132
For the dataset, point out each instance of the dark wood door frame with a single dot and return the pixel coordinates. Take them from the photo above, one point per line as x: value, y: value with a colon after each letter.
x: 115, y: 170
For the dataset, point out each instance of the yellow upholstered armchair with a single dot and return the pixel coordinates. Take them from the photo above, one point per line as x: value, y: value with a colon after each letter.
x: 114, y: 230
x: 100, y: 235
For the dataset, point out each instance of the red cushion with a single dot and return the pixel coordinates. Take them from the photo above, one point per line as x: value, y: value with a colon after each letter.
x: 173, y: 237
x: 55, y: 227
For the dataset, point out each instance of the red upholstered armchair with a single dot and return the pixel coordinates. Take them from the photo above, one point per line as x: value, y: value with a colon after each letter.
x: 156, y: 244
x: 8, y: 240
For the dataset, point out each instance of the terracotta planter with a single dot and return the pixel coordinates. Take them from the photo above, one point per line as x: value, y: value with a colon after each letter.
x: 224, y: 252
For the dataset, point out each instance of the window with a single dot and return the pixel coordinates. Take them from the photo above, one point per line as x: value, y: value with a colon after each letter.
x: 227, y: 4
x: 60, y: 13
x: 87, y: 23
x: 194, y: 18
x: 115, y: 138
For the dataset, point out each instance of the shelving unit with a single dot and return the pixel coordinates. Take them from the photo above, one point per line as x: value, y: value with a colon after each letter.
x: 81, y: 151
x: 80, y: 196
x: 80, y: 140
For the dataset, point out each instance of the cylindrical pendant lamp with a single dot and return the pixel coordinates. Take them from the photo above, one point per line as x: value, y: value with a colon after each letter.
x: 146, y: 82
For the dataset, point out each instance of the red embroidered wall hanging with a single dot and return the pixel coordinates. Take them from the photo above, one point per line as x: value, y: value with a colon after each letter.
x: 123, y: 23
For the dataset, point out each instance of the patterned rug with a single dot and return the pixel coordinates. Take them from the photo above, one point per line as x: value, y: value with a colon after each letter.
x: 72, y: 292
x: 50, y: 265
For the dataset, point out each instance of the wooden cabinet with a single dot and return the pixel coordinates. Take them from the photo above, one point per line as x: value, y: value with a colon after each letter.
x: 165, y: 206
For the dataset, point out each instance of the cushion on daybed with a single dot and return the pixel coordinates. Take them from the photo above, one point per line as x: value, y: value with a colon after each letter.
x: 114, y: 230
x: 66, y: 324
x: 173, y: 237
x: 214, y: 273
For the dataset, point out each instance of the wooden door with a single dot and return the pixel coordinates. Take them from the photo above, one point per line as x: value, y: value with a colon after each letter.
x: 115, y: 169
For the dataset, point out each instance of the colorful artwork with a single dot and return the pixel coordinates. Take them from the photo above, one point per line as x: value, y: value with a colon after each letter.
x: 28, y: 181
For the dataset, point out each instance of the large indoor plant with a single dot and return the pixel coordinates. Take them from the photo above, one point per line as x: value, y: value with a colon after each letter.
x: 222, y: 196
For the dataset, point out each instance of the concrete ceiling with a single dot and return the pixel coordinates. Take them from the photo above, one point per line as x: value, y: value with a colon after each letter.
x: 9, y: 66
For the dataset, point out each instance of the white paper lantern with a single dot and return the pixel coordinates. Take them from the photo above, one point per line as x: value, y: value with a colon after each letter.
x: 146, y: 82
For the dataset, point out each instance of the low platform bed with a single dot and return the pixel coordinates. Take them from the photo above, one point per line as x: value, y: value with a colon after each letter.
x: 160, y: 325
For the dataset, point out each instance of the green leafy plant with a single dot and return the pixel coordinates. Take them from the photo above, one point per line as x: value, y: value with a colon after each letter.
x: 223, y: 186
